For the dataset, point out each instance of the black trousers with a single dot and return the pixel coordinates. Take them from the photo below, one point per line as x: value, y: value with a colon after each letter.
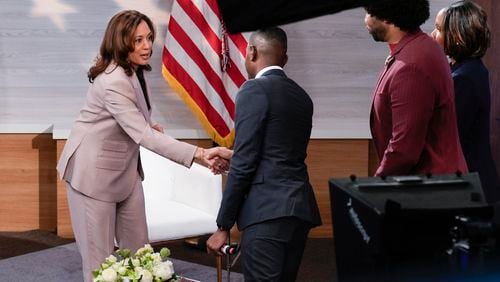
x: 272, y: 250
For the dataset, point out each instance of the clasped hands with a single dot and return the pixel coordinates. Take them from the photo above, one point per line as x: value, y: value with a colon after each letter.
x: 217, y: 159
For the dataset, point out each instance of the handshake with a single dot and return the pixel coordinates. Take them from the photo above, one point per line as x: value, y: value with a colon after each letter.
x: 217, y: 159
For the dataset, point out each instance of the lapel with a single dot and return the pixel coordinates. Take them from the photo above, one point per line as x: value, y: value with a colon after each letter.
x: 141, y: 101
x: 390, y: 60
x: 394, y: 54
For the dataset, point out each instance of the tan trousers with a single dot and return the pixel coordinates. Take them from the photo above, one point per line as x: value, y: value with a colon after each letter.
x: 96, y: 224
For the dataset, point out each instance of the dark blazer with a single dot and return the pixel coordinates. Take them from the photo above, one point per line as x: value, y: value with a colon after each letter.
x: 268, y: 178
x: 472, y: 100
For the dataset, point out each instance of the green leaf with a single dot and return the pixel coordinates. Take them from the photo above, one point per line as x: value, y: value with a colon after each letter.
x: 130, y: 264
x: 95, y: 273
x: 164, y: 253
x: 125, y: 253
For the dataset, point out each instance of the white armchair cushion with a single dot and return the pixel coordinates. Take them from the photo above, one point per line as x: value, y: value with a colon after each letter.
x: 198, y: 188
x: 169, y: 220
x: 180, y: 202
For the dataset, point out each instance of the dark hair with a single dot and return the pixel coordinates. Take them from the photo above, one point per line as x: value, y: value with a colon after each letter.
x: 118, y: 42
x: 408, y: 15
x: 466, y: 32
x: 273, y: 34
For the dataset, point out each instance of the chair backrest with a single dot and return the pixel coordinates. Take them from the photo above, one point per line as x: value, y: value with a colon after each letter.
x: 197, y: 186
x: 177, y: 197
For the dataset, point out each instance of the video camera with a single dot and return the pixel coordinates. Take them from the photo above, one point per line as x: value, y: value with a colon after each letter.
x: 408, y: 227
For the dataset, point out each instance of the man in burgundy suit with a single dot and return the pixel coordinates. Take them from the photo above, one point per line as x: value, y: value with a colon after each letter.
x: 413, y: 121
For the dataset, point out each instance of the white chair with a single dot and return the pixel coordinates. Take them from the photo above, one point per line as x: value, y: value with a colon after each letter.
x: 180, y: 202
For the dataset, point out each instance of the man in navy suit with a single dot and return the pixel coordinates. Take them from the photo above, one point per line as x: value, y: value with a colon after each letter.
x: 268, y: 191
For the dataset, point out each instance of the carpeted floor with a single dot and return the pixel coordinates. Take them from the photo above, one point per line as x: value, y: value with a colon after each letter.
x: 62, y: 264
x: 18, y: 243
x: 317, y: 265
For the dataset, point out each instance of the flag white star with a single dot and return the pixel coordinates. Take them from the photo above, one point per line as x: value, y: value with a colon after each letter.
x: 54, y: 10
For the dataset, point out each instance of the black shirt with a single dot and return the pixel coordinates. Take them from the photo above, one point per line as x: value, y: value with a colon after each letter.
x: 140, y: 76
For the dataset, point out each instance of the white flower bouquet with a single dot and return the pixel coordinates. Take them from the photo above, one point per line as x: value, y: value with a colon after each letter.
x: 144, y: 266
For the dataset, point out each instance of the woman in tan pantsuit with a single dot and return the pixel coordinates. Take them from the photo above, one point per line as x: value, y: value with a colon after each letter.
x: 100, y: 161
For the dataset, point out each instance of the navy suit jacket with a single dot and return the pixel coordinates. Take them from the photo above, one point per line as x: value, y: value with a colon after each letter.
x: 472, y: 100
x: 268, y: 177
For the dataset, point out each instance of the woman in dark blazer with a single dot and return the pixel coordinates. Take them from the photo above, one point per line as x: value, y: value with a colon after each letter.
x: 462, y: 30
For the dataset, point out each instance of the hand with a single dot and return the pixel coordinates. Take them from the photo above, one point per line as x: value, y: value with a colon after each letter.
x: 158, y: 128
x: 216, y: 241
x: 221, y: 152
x: 215, y: 164
x: 220, y: 158
x: 211, y: 158
x: 219, y: 165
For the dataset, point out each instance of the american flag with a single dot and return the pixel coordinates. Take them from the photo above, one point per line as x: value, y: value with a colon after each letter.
x: 205, y: 65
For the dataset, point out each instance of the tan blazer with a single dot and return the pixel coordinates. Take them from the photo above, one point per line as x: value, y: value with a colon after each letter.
x: 101, y: 156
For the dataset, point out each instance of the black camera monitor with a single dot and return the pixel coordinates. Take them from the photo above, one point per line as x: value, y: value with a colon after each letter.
x: 385, y: 227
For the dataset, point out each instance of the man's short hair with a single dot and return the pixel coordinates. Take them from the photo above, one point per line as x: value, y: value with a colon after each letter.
x: 273, y: 34
x: 408, y: 15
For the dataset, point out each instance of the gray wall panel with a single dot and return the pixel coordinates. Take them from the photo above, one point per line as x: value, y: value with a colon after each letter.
x: 44, y: 60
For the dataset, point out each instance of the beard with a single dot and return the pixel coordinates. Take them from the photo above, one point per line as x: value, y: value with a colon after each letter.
x: 378, y: 33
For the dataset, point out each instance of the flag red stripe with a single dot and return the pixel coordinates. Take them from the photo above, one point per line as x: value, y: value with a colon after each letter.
x: 195, y: 92
x: 240, y: 42
x: 192, y: 50
x: 214, y: 6
x: 237, y: 38
x: 199, y: 80
x: 199, y: 20
x: 235, y: 74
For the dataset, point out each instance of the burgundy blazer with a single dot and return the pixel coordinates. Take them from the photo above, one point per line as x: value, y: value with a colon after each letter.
x: 413, y: 121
